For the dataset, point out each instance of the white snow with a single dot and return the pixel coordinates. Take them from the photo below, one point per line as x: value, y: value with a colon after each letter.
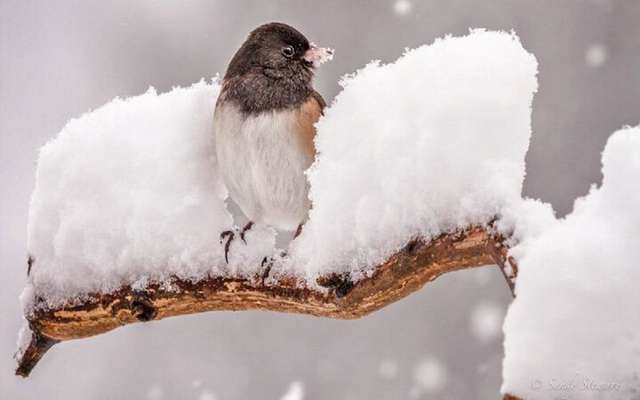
x: 573, y: 330
x: 24, y: 339
x: 486, y: 321
x: 388, y: 369
x: 319, y: 55
x: 129, y: 194
x: 429, y: 376
x: 207, y: 395
x: 430, y: 143
x: 402, y: 7
x: 295, y: 391
x: 155, y: 392
x: 596, y: 55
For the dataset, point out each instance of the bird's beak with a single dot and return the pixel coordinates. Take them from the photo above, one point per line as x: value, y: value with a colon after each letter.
x: 318, y: 55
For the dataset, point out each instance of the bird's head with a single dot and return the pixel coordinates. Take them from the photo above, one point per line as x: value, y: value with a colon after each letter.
x: 277, y: 49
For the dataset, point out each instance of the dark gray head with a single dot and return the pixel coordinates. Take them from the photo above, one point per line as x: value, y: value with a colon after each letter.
x: 272, y: 69
x: 274, y: 46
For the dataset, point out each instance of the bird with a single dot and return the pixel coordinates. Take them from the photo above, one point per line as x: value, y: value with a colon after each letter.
x: 264, y: 127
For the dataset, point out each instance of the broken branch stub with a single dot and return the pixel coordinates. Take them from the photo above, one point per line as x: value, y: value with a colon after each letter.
x: 406, y: 271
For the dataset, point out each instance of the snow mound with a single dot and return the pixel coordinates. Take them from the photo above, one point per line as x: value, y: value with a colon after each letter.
x: 128, y: 194
x: 428, y: 144
x: 572, y: 331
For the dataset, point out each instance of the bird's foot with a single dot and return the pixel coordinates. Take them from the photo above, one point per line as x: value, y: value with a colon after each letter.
x: 229, y: 236
x: 30, y: 261
x: 267, y: 264
x: 244, y: 230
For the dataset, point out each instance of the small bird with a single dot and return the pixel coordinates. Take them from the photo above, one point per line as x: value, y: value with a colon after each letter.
x: 264, y: 127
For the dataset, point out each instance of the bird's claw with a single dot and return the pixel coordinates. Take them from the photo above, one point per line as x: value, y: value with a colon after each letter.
x: 244, y: 230
x: 229, y: 235
x: 267, y: 263
x: 30, y: 261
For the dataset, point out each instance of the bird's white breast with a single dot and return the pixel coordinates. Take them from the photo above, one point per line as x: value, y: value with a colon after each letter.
x: 262, y: 162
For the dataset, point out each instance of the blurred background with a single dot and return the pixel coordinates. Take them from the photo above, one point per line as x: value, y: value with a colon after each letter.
x: 60, y: 59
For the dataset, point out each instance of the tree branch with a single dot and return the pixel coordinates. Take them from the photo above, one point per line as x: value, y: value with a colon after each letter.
x: 408, y: 270
x: 510, y: 397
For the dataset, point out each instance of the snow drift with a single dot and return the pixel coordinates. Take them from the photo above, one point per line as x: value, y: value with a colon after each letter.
x: 129, y: 194
x: 573, y: 329
x: 429, y: 144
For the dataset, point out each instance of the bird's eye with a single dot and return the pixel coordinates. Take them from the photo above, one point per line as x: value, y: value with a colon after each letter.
x: 288, y: 51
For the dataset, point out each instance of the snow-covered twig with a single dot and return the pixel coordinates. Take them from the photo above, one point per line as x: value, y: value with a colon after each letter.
x: 332, y: 296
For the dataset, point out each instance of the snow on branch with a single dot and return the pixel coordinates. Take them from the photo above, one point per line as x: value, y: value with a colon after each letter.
x: 419, y: 172
x: 405, y: 272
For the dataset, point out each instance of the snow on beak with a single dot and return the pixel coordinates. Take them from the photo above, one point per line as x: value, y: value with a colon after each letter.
x: 318, y: 55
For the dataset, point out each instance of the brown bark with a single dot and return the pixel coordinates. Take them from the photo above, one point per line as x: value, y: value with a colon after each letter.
x: 510, y: 397
x: 408, y: 270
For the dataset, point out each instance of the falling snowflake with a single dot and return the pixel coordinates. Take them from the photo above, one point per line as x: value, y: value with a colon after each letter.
x: 207, y: 395
x: 388, y: 369
x: 155, y: 392
x: 402, y: 7
x: 486, y: 321
x: 295, y: 392
x: 596, y: 55
x: 429, y: 376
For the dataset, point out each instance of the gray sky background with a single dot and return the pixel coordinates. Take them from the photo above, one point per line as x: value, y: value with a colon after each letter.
x: 60, y: 59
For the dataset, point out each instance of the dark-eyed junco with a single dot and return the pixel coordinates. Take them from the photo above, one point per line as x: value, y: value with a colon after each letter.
x: 264, y: 126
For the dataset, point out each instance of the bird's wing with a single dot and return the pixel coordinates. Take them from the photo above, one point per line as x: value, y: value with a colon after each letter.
x: 309, y: 113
